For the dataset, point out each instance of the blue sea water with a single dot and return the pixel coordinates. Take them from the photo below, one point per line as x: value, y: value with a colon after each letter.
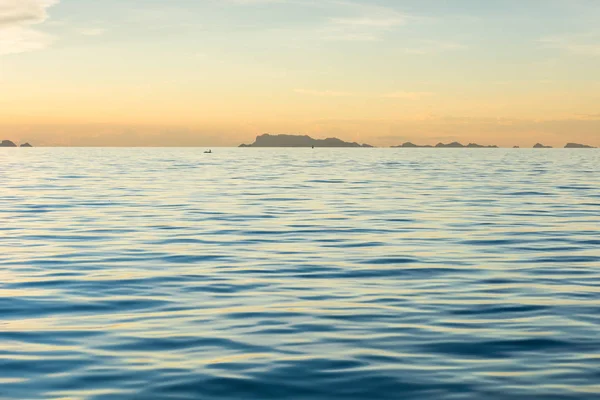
x: 299, y: 274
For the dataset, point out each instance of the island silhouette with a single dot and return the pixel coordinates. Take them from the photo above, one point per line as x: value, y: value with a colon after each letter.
x: 286, y: 140
x: 10, y: 143
x: 578, y: 146
x: 7, y: 143
x: 456, y: 145
x: 268, y: 140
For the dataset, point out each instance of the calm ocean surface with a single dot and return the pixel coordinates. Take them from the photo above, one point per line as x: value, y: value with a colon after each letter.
x: 299, y: 274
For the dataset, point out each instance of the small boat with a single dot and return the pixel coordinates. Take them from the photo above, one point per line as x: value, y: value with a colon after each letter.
x: 208, y: 152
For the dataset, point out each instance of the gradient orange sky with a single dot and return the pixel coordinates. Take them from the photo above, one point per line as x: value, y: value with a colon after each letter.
x: 220, y: 72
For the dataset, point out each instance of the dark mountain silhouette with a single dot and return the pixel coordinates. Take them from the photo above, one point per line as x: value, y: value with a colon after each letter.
x: 26, y: 145
x: 541, y: 146
x: 578, y: 146
x: 268, y: 140
x: 7, y: 143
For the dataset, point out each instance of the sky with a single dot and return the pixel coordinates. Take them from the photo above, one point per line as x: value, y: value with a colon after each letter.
x: 220, y: 72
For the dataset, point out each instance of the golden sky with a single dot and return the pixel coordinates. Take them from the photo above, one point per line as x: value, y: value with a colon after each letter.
x: 219, y: 72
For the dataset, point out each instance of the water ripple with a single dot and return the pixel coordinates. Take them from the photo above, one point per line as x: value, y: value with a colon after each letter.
x: 317, y: 274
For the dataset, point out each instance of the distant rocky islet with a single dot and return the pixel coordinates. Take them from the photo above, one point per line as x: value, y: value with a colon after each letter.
x: 10, y: 143
x: 578, y: 146
x: 285, y: 140
x: 268, y: 140
x: 455, y: 145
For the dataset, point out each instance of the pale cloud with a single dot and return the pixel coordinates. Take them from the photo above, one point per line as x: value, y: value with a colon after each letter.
x: 17, y: 18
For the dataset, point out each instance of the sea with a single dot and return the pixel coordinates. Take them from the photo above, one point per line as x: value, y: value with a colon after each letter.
x: 167, y: 273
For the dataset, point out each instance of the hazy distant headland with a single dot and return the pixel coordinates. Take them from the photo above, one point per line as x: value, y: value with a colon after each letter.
x: 268, y: 140
x: 456, y: 145
x: 286, y: 140
x: 578, y: 146
x: 9, y: 143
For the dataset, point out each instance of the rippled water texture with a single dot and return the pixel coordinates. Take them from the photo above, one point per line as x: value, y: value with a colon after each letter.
x: 299, y: 274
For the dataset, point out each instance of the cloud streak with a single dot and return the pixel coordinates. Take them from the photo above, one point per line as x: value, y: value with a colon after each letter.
x: 345, y: 20
x: 408, y: 95
x: 433, y: 46
x: 361, y: 28
x: 394, y: 95
x: 584, y: 44
x: 17, y: 18
x: 322, y: 93
x: 93, y: 31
